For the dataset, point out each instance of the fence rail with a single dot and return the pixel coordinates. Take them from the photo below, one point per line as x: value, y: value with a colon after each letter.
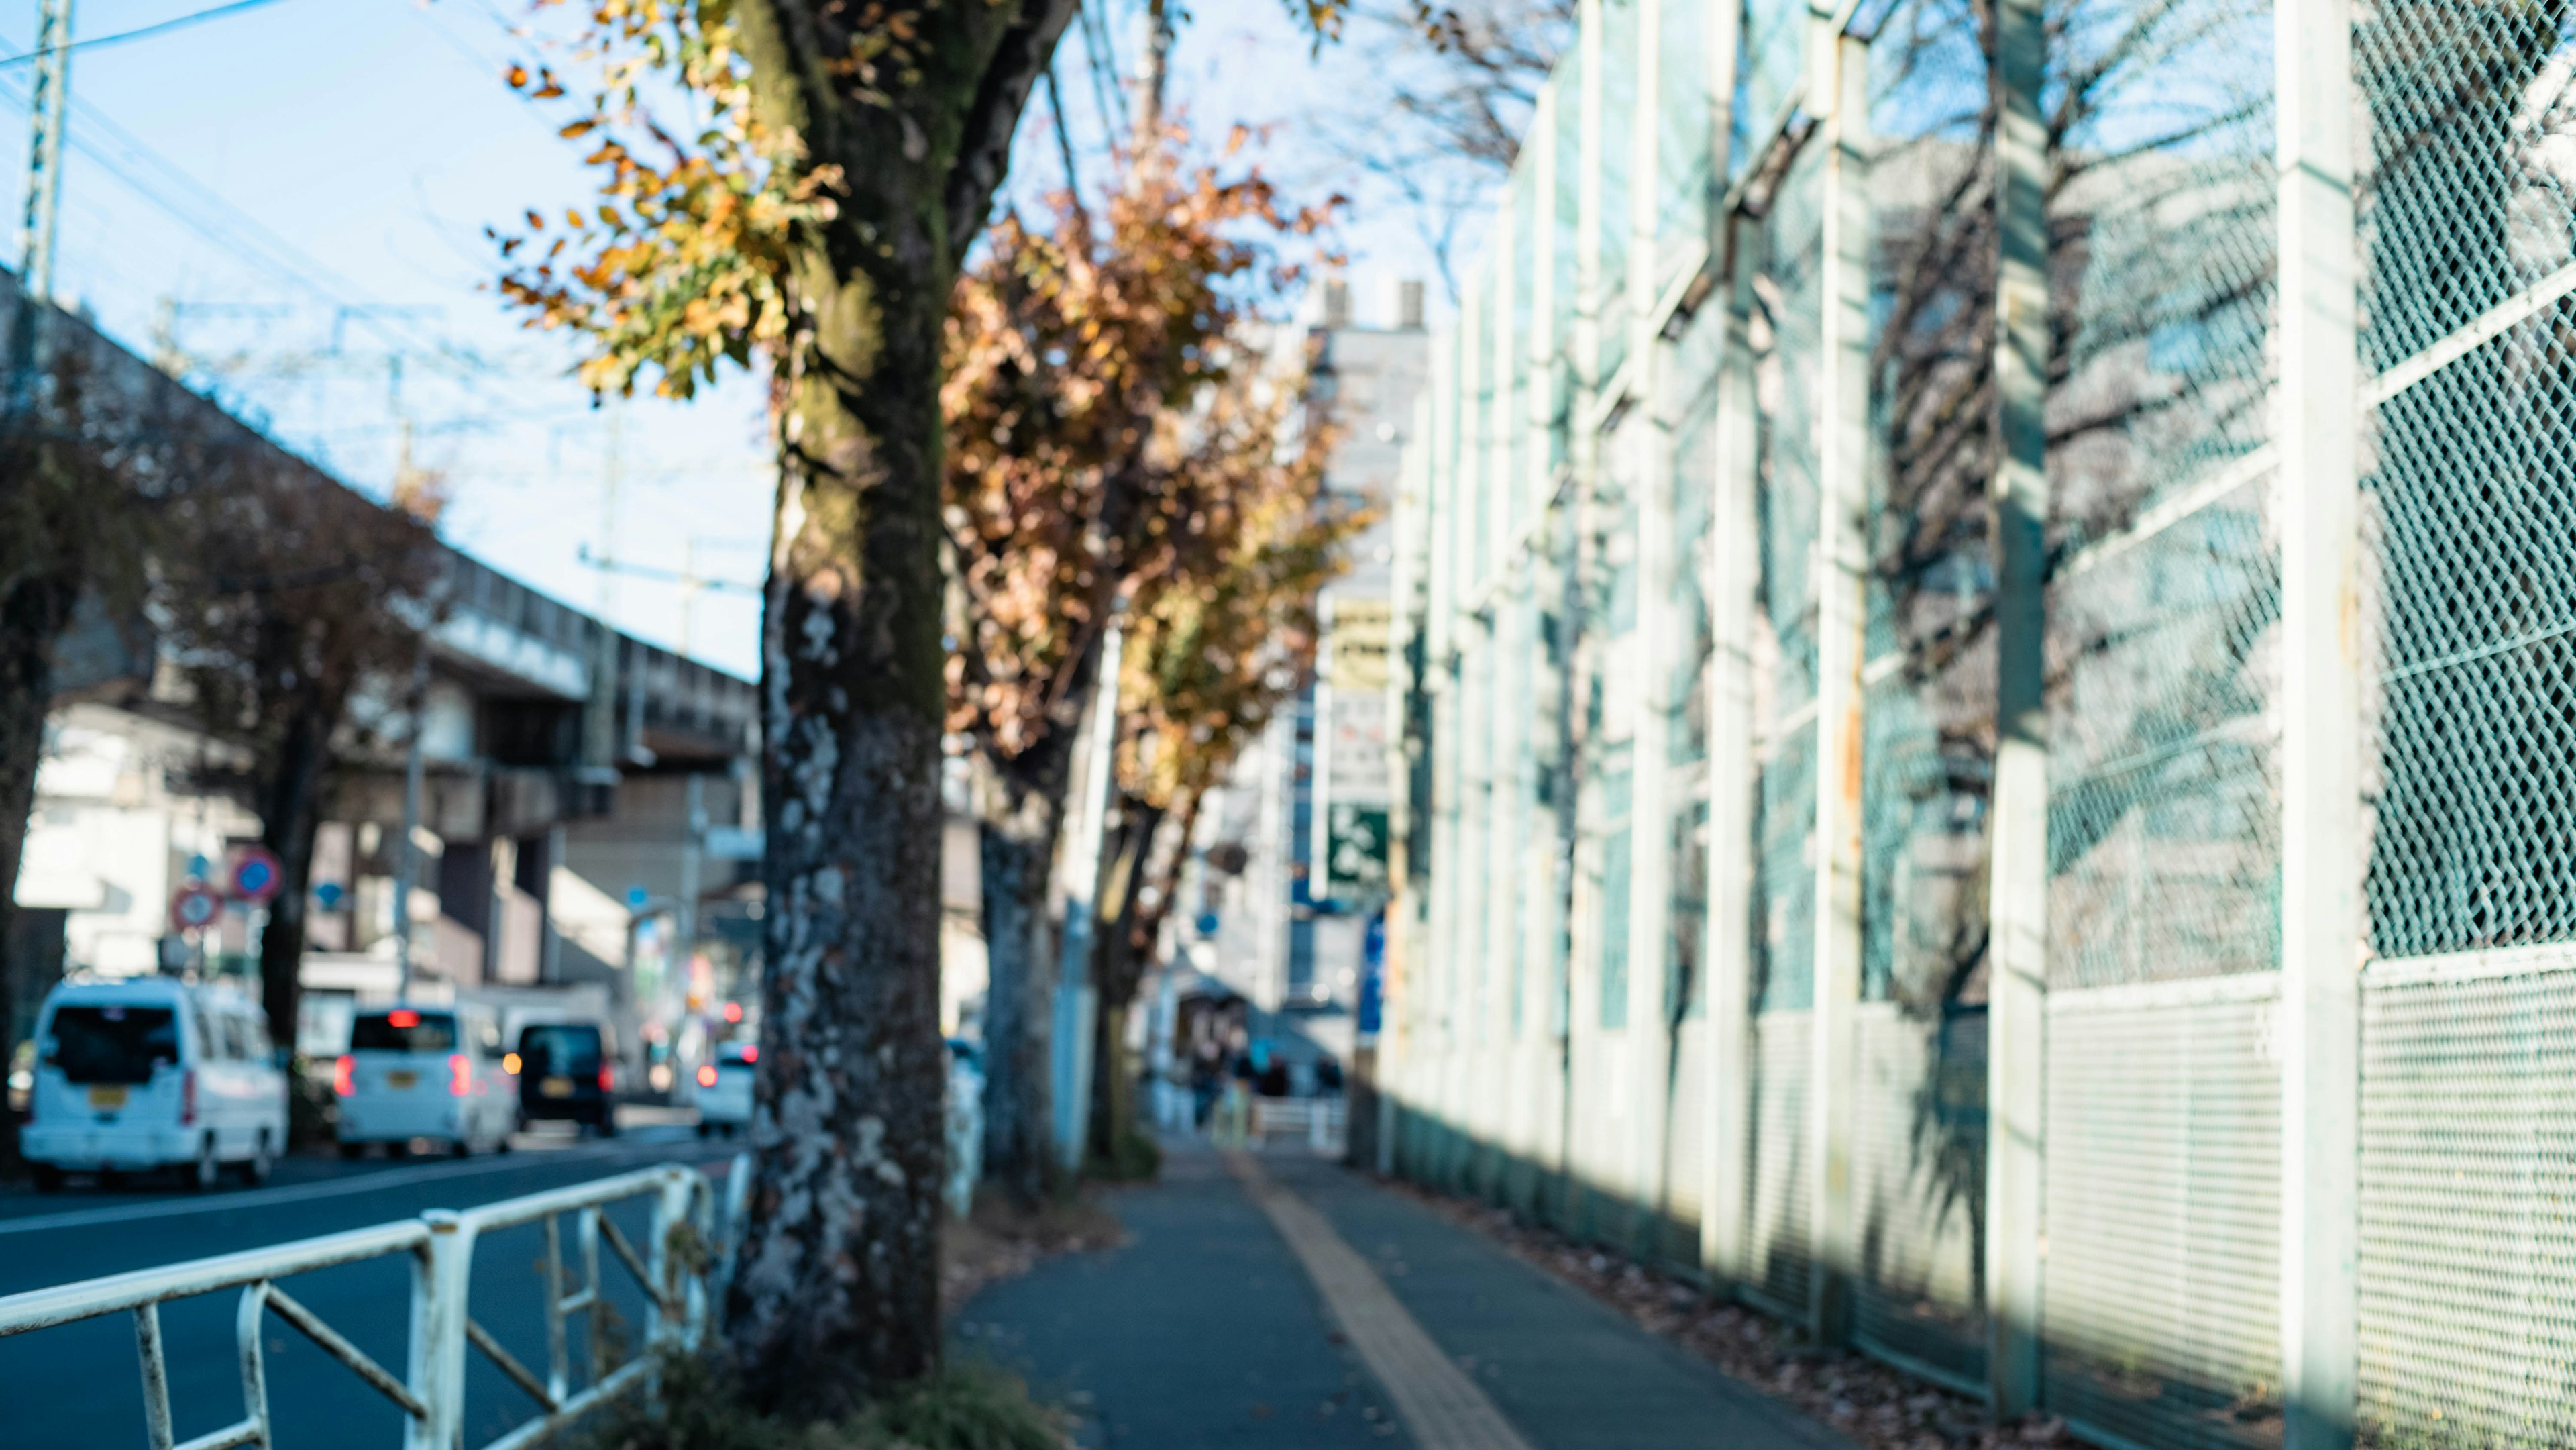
x: 681, y: 1268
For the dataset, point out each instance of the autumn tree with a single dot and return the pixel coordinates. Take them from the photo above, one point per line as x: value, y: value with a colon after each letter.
x: 290, y: 604
x: 1074, y: 351
x: 810, y: 202
x: 92, y: 450
x: 1222, y: 636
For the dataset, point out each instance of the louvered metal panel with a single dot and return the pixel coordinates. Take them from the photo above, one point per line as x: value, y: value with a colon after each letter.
x: 1783, y: 1047
x: 1919, y: 1178
x: 2162, y: 1269
x: 2468, y: 1199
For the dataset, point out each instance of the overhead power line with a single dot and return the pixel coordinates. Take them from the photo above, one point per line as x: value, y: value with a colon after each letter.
x: 141, y: 31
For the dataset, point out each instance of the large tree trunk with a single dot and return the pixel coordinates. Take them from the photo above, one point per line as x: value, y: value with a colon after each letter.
x: 1020, y: 818
x: 33, y: 613
x: 290, y: 810
x: 837, y: 1290
x: 1018, y: 848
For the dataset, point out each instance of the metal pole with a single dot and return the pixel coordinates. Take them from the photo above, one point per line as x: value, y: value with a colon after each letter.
x: 1540, y: 929
x: 1728, y: 1014
x: 1841, y: 72
x: 47, y: 100
x: 1462, y: 1106
x: 2317, y: 505
x: 684, y: 914
x: 1076, y: 999
x: 1650, y: 463
x: 407, y: 851
x: 2017, y: 847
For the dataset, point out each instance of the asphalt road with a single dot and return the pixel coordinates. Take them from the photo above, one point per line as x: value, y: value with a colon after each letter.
x: 78, y: 1386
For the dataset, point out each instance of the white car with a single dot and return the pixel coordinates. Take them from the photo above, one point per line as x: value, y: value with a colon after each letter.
x: 431, y: 1072
x: 724, y: 1089
x: 153, y: 1072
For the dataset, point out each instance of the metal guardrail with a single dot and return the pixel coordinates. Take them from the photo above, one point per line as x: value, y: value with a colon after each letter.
x: 1322, y: 1122
x: 679, y: 1280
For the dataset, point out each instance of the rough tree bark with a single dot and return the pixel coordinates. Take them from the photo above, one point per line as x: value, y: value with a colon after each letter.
x: 1018, y: 830
x: 1124, y: 948
x: 837, y: 1292
x: 289, y: 801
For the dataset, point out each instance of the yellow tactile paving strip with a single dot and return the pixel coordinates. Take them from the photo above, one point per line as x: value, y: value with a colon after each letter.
x: 1439, y: 1404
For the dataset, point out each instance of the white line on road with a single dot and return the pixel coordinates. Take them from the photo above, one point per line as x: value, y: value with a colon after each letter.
x: 327, y: 1188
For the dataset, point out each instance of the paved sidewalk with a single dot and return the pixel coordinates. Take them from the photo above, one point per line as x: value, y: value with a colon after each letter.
x: 1206, y: 1331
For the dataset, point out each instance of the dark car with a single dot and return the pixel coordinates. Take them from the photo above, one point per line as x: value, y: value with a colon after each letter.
x: 568, y: 1070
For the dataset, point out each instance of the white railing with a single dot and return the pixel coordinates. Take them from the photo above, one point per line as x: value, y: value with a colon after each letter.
x: 681, y: 1267
x: 1320, y: 1121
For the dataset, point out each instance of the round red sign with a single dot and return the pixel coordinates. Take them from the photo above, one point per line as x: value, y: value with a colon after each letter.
x: 257, y: 875
x: 193, y: 907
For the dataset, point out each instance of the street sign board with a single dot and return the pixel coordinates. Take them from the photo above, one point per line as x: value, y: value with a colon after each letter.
x: 257, y: 875
x: 1355, y: 846
x: 193, y: 907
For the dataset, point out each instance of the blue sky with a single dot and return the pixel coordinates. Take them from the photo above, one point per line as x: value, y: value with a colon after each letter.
x: 292, y: 198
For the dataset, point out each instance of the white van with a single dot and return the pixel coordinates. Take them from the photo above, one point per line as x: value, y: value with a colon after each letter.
x: 152, y: 1072
x: 724, y: 1089
x: 433, y: 1072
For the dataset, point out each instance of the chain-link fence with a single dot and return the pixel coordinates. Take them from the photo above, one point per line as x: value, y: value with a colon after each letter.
x: 2467, y: 232
x: 1650, y: 606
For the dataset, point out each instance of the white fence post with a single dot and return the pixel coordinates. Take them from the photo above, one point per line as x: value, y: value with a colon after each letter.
x: 2017, y: 826
x: 1728, y: 1019
x: 1840, y: 86
x: 247, y: 1314
x: 437, y: 1377
x: 2318, y: 510
x: 663, y: 1328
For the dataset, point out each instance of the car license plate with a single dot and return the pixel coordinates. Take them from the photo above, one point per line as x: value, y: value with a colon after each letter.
x: 107, y: 1099
x: 402, y: 1081
x: 556, y: 1087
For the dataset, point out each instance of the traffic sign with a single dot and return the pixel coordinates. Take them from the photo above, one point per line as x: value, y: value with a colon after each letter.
x: 193, y: 907
x: 329, y: 894
x: 257, y: 875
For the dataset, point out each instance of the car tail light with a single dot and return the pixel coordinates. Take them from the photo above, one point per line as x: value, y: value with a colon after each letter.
x: 607, y: 1079
x: 344, y: 1077
x: 188, y: 1097
x: 751, y: 1054
x: 707, y: 1075
x: 460, y: 1075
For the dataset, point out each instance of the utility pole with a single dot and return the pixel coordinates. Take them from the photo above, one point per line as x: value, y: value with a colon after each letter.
x: 1077, y: 997
x: 691, y: 586
x: 600, y: 745
x: 407, y: 850
x: 1150, y: 85
x: 46, y: 104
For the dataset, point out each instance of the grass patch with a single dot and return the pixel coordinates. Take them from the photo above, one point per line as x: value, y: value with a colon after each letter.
x: 962, y: 1407
x: 1137, y: 1159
